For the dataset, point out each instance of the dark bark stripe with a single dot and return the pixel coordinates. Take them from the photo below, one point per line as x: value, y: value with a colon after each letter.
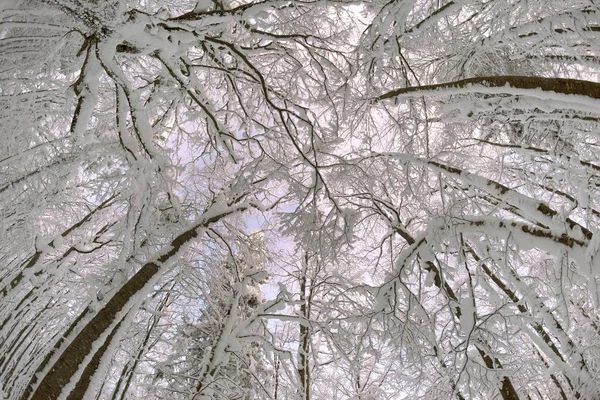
x: 557, y: 85
x: 73, y: 357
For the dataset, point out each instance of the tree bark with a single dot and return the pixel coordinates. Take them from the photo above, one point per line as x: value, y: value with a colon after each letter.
x: 303, y: 364
x: 73, y: 357
x: 557, y: 85
x: 508, y: 391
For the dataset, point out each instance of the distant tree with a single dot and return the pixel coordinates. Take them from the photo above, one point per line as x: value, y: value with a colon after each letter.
x: 214, y: 354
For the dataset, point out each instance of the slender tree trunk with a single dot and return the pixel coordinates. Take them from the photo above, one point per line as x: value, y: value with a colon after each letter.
x: 49, y: 355
x: 276, y: 391
x: 539, y: 329
x: 304, y: 346
x: 33, y: 260
x: 210, y: 369
x: 508, y: 391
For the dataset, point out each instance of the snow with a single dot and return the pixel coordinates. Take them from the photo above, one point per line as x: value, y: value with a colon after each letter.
x: 203, y: 6
x: 388, y: 216
x: 467, y: 316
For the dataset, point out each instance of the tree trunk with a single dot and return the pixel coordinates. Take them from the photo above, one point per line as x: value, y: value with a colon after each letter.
x: 72, y: 359
x: 304, y: 346
x: 508, y: 391
x: 484, y: 83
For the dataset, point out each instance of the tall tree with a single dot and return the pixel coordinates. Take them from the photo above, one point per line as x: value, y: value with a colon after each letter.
x: 433, y: 165
x: 485, y: 121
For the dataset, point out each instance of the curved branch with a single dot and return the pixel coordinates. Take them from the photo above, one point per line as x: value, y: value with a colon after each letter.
x: 509, y: 82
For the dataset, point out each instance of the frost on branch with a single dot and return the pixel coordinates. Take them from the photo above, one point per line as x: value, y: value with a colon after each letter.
x: 299, y: 199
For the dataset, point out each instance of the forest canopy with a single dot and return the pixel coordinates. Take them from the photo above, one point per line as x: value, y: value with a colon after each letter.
x: 299, y: 199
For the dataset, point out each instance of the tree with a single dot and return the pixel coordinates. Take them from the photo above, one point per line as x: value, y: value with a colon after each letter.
x: 435, y: 165
x: 507, y: 93
x: 220, y: 352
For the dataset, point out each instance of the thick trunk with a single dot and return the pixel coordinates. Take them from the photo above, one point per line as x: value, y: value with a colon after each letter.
x: 73, y: 358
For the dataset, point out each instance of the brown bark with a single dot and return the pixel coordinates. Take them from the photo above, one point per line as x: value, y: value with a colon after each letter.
x: 523, y: 309
x: 56, y: 347
x: 72, y: 358
x: 507, y: 391
x: 303, y: 364
x: 80, y: 388
x: 557, y: 85
x: 33, y: 260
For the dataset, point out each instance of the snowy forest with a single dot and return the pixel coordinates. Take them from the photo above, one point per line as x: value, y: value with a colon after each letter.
x: 299, y: 199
